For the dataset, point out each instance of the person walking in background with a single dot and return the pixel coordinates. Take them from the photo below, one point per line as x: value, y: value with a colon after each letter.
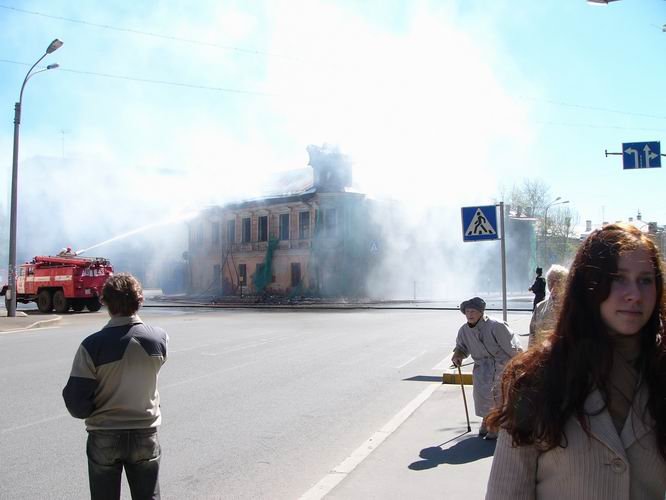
x: 544, y: 316
x: 583, y: 416
x: 113, y: 386
x: 538, y: 288
x: 491, y: 344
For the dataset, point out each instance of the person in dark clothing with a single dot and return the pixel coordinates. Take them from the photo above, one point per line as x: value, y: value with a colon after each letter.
x: 538, y: 288
x: 113, y: 386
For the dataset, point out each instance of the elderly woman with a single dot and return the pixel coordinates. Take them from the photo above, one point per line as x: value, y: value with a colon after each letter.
x: 491, y: 344
x: 545, y: 314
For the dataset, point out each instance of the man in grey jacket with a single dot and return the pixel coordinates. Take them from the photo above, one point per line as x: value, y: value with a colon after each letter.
x: 113, y: 386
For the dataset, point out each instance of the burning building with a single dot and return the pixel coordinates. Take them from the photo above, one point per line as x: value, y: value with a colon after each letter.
x: 314, y: 238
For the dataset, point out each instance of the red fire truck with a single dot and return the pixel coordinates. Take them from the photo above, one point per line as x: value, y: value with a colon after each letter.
x: 62, y: 282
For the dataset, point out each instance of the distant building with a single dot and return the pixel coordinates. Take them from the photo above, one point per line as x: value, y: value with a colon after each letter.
x: 656, y: 232
x: 315, y: 238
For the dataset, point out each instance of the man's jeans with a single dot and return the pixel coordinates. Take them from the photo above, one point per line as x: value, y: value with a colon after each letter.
x: 138, y: 450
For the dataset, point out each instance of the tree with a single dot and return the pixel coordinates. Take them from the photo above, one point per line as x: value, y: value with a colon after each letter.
x: 529, y: 199
x: 561, y: 242
x: 554, y: 240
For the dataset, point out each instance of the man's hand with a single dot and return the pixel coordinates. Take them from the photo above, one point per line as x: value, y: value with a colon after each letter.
x: 456, y: 359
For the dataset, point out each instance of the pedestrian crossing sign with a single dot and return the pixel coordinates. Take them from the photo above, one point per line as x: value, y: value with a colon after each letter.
x: 479, y: 223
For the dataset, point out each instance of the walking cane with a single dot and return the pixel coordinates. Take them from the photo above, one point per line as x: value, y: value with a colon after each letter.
x: 469, y: 427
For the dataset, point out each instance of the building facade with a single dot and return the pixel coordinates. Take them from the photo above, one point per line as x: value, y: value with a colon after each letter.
x: 316, y: 242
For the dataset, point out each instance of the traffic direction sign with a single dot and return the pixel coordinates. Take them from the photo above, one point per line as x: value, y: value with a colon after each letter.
x: 641, y: 155
x: 479, y: 223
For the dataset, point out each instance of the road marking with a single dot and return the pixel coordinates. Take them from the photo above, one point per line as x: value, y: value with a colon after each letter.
x: 194, y: 347
x: 209, y: 374
x: 411, y: 359
x: 42, y: 421
x: 333, y: 478
x: 31, y: 330
x: 225, y: 351
x: 443, y: 365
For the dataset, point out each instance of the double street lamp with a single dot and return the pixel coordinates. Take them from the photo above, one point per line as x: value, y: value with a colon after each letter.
x: 10, y: 297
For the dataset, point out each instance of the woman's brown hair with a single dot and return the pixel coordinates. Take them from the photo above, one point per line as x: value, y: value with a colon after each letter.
x: 544, y: 387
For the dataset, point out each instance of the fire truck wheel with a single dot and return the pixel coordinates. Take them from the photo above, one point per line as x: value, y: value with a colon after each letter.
x: 94, y: 305
x: 78, y: 305
x: 44, y: 301
x: 60, y: 302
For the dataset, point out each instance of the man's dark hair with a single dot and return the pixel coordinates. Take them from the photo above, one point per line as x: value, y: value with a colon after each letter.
x: 122, y: 294
x: 539, y: 271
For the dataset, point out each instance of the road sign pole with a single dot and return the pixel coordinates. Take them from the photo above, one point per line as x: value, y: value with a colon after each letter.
x: 503, y: 259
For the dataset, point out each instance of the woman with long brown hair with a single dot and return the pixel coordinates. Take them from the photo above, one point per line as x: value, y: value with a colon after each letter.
x: 583, y: 416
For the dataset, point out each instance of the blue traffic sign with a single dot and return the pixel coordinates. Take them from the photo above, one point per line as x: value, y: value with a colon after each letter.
x: 641, y: 155
x: 479, y: 223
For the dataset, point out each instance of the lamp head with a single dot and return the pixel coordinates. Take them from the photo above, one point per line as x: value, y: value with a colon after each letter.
x: 55, y: 45
x: 53, y: 66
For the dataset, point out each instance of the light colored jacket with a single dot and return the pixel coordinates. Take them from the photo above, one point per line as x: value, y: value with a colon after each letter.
x: 491, y: 344
x: 605, y: 466
x: 543, y: 322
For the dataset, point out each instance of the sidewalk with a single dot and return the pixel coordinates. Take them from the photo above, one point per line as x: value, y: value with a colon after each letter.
x: 430, y: 456
x: 24, y: 320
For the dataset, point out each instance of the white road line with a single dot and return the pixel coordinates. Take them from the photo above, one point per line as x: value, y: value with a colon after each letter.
x: 31, y: 330
x: 411, y: 359
x: 333, y: 478
x: 225, y: 351
x: 443, y: 365
x: 209, y: 374
x: 42, y: 421
x: 162, y: 387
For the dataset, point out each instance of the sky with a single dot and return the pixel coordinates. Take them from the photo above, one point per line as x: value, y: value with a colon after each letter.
x: 159, y: 108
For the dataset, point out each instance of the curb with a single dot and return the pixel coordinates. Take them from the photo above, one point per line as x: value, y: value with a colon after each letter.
x: 44, y: 322
x: 451, y: 378
x: 37, y: 324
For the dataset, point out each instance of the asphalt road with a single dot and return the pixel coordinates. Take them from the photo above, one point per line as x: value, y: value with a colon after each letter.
x: 256, y: 404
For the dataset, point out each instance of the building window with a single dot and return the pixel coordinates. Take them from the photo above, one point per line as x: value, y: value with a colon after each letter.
x: 295, y: 273
x: 242, y: 274
x: 284, y: 226
x: 247, y: 226
x: 331, y: 222
x: 263, y: 228
x: 200, y: 235
x: 231, y: 231
x: 215, y: 230
x: 326, y: 222
x: 304, y: 225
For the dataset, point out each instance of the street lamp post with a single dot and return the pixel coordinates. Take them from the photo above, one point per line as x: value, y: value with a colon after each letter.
x: 10, y: 297
x: 556, y: 201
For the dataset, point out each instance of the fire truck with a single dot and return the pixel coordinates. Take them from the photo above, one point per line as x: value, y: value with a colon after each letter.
x: 62, y: 282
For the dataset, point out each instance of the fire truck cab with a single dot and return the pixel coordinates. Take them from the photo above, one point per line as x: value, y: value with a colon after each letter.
x: 62, y: 282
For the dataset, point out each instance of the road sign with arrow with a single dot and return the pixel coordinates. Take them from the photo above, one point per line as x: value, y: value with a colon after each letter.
x: 641, y: 155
